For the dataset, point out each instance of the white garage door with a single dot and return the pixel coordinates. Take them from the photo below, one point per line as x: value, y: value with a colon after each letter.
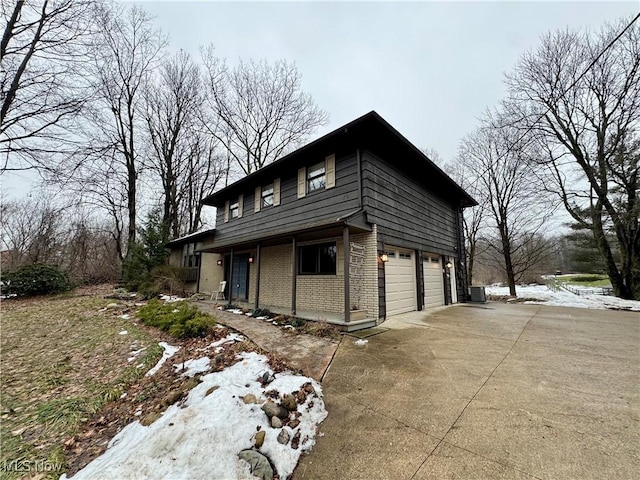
x: 400, y: 281
x: 433, y: 281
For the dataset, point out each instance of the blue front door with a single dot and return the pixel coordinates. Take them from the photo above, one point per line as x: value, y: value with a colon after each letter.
x: 240, y: 277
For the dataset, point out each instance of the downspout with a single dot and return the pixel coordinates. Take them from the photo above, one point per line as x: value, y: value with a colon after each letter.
x: 359, y: 165
x: 347, y: 287
x: 230, y: 276
x: 257, y: 276
x: 200, y: 257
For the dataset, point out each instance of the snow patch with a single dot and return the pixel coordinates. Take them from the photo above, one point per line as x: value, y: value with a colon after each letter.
x: 191, y: 367
x: 202, y: 437
x: 170, y: 298
x: 169, y: 351
x: 542, y: 294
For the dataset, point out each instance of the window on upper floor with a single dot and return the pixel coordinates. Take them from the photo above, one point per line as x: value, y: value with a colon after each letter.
x: 316, y: 177
x: 317, y: 259
x: 267, y: 196
x: 234, y: 209
x: 320, y: 176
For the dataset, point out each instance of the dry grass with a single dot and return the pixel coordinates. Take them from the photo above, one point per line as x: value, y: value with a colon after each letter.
x: 62, y: 358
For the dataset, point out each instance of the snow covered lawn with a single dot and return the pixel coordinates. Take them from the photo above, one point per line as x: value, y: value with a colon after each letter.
x: 202, y: 436
x: 536, y: 294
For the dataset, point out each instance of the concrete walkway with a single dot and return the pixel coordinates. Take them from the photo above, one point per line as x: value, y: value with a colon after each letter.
x: 308, y: 353
x: 494, y: 391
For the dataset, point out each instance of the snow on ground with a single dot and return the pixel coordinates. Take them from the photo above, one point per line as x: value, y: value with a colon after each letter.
x: 202, y: 437
x: 169, y: 351
x: 191, y: 367
x: 541, y: 294
x: 170, y: 298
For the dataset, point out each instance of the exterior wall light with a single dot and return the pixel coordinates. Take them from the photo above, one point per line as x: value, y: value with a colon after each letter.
x: 449, y: 265
x: 384, y: 257
x: 219, y: 262
x: 250, y: 259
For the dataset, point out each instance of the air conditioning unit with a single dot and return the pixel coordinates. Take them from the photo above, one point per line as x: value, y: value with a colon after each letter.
x: 478, y: 294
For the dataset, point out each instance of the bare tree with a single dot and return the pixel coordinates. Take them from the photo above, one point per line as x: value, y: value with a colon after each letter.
x: 579, y: 93
x: 497, y: 158
x: 207, y: 167
x: 183, y: 156
x: 32, y: 230
x: 126, y: 51
x: 473, y: 219
x: 37, y: 230
x: 42, y: 89
x: 259, y: 110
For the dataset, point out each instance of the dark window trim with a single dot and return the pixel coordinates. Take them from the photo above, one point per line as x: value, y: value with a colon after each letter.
x: 318, y: 247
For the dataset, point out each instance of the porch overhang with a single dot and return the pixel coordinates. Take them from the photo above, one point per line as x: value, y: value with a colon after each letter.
x: 356, y: 221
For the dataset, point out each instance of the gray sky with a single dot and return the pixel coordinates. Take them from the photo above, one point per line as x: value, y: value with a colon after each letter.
x: 429, y: 68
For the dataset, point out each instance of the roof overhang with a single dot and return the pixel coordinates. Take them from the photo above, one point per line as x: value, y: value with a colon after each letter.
x: 191, y: 238
x: 356, y: 222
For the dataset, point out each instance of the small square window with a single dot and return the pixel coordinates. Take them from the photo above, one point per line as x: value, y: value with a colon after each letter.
x: 316, y: 177
x: 234, y: 209
x: 267, y: 196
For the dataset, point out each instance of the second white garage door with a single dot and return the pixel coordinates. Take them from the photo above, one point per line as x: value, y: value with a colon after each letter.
x: 433, y: 281
x: 400, y: 281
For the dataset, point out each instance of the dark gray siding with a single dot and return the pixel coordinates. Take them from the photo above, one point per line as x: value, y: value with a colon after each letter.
x: 293, y: 212
x: 406, y: 214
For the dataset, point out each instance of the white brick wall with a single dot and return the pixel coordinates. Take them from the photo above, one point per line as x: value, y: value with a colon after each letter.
x: 322, y: 293
x: 275, y: 276
x: 211, y: 274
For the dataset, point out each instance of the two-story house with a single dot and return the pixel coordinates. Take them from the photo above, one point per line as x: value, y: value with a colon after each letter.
x: 351, y: 228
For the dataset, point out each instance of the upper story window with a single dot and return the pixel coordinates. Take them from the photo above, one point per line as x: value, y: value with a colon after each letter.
x: 234, y: 209
x: 316, y: 177
x: 267, y: 196
x: 318, y: 259
x: 320, y: 176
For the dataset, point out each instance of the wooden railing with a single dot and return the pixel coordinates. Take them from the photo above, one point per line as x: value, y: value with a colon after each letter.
x: 189, y: 274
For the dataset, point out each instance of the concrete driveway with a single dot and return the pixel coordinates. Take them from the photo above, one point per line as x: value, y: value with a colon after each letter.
x: 485, y: 391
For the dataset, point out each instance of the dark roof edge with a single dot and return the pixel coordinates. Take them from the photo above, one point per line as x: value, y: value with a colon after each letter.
x: 190, y: 237
x: 297, y: 151
x: 372, y: 114
x: 406, y: 141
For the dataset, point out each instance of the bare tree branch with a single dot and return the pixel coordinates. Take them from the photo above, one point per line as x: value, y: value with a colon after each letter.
x: 259, y: 110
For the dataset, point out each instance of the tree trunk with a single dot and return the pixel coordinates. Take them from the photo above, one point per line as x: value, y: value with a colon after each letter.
x: 131, y: 205
x: 472, y: 254
x: 508, y: 261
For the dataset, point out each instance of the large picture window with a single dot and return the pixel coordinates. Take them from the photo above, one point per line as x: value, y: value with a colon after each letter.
x: 316, y: 177
x: 318, y: 259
